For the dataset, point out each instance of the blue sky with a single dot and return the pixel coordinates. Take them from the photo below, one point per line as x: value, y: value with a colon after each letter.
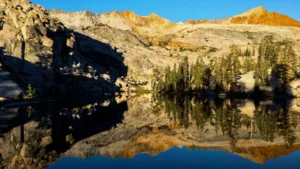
x: 176, y: 10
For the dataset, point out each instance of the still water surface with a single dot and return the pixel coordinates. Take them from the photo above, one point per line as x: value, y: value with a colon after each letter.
x: 152, y: 132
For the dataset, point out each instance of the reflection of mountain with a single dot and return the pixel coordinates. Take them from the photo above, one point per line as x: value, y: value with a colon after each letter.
x: 152, y: 125
x: 40, y: 133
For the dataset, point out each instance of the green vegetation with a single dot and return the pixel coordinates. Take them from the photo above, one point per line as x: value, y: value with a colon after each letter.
x: 247, y: 52
x: 279, y: 57
x: 100, y: 24
x: 163, y: 43
x: 31, y: 93
x: 141, y: 90
x: 212, y: 50
x: 276, y: 59
x: 217, y: 75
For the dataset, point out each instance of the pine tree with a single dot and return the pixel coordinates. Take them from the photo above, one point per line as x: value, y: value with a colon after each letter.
x: 174, y: 77
x: 261, y: 72
x: 248, y: 65
x: 267, y: 50
x: 290, y: 57
x: 284, y: 74
x: 218, y: 73
x: 198, y: 73
x: 236, y: 65
x: 253, y: 50
x: 247, y: 52
x: 180, y: 78
x: 167, y: 78
x: 267, y: 58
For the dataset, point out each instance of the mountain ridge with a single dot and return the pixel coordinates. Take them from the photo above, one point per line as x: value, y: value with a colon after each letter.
x: 153, y: 24
x: 254, y: 16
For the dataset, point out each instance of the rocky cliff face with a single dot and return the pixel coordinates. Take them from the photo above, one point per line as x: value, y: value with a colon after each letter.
x: 35, y: 47
x: 32, y: 42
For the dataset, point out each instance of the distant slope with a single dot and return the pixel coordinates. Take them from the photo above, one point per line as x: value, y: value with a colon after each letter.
x: 255, y: 16
x: 128, y: 20
x: 260, y: 16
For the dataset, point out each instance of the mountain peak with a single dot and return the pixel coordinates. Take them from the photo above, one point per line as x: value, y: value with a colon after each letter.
x: 153, y: 15
x: 260, y: 16
x: 129, y: 13
x: 260, y: 10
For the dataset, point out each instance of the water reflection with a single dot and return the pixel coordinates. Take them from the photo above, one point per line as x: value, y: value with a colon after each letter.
x: 263, y: 119
x: 37, y: 135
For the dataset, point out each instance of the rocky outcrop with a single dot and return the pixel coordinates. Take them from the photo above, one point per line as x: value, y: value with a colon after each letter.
x: 36, y: 47
x: 294, y: 88
x: 197, y: 22
x: 32, y: 42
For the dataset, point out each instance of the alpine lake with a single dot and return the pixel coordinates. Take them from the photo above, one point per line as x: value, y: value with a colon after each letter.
x: 146, y: 131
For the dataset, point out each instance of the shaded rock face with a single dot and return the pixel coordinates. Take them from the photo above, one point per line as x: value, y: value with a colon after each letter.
x: 39, y: 50
x: 8, y: 88
x: 27, y: 32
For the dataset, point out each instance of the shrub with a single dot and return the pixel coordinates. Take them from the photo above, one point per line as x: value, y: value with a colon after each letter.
x: 31, y: 93
x: 212, y: 50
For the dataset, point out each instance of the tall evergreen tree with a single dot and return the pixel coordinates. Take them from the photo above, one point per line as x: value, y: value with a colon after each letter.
x: 198, y: 73
x: 253, y: 50
x: 186, y: 73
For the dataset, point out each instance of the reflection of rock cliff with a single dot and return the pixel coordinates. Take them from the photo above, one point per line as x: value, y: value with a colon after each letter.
x: 159, y: 130
x: 148, y: 125
x: 40, y: 134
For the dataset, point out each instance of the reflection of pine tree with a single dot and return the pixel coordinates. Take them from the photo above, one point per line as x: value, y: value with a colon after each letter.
x: 233, y: 124
x: 265, y: 122
x: 284, y: 127
x: 225, y: 117
x: 228, y: 119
